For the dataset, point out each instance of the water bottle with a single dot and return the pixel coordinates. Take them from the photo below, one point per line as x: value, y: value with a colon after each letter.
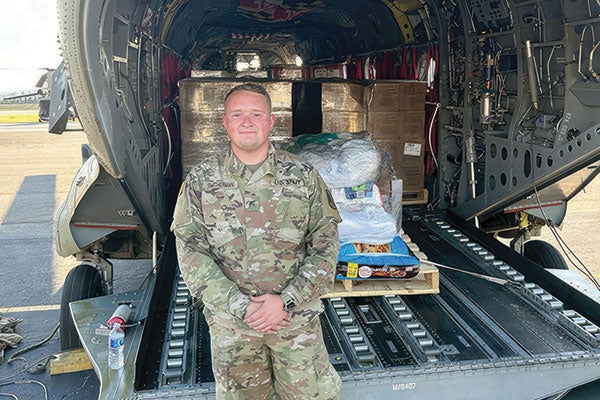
x: 116, y: 339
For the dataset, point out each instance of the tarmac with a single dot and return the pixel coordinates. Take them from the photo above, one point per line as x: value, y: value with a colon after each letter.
x: 18, y: 113
x: 37, y: 171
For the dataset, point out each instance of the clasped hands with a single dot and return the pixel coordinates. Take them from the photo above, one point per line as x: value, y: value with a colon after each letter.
x: 265, y: 313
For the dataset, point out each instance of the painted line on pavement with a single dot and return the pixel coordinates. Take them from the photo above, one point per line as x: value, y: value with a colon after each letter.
x: 50, y: 307
x: 13, y: 118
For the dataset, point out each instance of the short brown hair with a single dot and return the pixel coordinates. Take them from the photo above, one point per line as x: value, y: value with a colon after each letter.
x: 250, y: 87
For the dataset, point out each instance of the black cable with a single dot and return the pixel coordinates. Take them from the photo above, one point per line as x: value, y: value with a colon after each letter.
x: 33, y: 346
x: 582, y: 267
x: 138, y: 110
x: 25, y: 369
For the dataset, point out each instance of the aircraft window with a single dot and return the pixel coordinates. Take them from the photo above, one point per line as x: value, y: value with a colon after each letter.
x: 247, y: 62
x: 493, y: 150
x: 527, y: 164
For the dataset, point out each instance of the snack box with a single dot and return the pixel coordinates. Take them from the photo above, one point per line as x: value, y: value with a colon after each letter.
x: 371, y: 262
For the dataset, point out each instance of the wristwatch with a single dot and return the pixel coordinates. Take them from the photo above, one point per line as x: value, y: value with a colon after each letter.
x: 289, y: 304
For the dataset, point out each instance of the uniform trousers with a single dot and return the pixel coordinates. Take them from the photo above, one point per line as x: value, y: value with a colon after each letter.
x: 292, y: 363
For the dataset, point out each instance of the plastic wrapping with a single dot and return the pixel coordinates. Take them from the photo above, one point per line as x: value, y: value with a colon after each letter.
x: 389, y: 261
x: 394, y: 253
x: 348, y: 160
x: 371, y: 225
x: 349, y: 164
x: 364, y: 220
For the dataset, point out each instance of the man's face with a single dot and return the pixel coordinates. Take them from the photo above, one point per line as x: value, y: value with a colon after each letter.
x: 248, y: 122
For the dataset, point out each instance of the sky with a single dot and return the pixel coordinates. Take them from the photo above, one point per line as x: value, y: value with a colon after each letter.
x: 28, y: 42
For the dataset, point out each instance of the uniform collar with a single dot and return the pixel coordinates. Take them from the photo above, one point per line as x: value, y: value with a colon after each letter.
x: 238, y: 168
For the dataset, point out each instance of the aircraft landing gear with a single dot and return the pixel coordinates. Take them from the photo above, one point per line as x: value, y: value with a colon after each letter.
x: 544, y: 254
x: 82, y: 282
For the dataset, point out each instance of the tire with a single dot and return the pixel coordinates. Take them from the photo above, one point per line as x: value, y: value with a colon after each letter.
x: 544, y: 254
x: 82, y: 282
x: 86, y: 152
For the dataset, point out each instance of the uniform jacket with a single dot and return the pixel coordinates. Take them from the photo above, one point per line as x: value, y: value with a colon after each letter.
x: 240, y: 234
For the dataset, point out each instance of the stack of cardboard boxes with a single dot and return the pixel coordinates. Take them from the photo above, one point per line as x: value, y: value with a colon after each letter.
x: 396, y: 119
x: 202, y: 106
x: 392, y: 111
x: 343, y: 107
x: 285, y: 72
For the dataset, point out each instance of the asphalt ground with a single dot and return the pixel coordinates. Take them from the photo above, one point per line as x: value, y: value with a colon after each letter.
x: 36, y: 171
x: 18, y: 113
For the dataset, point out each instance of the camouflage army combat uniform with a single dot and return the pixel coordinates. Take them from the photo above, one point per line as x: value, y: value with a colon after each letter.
x: 241, y: 234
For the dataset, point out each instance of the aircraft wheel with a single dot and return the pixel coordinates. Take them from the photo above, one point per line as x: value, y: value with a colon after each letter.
x: 82, y: 282
x: 544, y: 254
x: 86, y: 152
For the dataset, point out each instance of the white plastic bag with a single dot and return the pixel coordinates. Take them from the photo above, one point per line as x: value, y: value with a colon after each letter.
x: 364, y: 220
x: 350, y: 160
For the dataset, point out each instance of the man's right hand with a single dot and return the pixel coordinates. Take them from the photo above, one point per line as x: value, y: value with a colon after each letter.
x: 265, y: 313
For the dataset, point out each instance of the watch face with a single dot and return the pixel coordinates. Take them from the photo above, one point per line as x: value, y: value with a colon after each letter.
x: 290, y: 305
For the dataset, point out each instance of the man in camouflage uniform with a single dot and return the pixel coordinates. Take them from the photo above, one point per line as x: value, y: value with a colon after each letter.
x: 257, y: 240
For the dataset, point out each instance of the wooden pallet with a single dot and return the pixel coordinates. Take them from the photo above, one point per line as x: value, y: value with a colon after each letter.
x: 413, y: 198
x: 426, y: 282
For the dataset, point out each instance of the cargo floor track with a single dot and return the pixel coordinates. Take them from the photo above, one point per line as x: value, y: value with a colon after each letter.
x: 475, y: 339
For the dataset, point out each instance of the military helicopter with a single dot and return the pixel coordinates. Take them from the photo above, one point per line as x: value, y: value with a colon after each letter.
x: 507, y: 131
x: 55, y: 109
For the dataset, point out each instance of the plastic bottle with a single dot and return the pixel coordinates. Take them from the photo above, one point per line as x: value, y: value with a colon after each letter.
x: 116, y: 339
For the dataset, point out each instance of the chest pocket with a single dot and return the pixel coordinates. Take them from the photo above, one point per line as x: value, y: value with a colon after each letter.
x: 220, y: 218
x: 292, y: 216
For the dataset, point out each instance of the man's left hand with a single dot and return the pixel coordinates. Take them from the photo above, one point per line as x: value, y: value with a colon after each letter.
x: 270, y: 317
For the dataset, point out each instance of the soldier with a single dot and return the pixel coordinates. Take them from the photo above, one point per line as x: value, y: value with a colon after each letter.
x: 257, y: 241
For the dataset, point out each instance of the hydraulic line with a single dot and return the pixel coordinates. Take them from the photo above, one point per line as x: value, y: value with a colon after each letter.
x: 531, y: 74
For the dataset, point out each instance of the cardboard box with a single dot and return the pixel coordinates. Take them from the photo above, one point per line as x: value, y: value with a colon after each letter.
x: 329, y: 71
x: 203, y: 133
x: 292, y: 72
x: 343, y: 121
x: 343, y: 96
x: 396, y: 95
x: 197, y: 94
x: 396, y: 124
x: 407, y: 158
x: 201, y: 126
x: 194, y: 152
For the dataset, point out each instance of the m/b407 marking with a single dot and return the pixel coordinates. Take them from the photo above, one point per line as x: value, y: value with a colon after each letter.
x: 404, y: 386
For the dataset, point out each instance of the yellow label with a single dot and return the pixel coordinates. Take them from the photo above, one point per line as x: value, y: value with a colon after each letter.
x: 352, y: 270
